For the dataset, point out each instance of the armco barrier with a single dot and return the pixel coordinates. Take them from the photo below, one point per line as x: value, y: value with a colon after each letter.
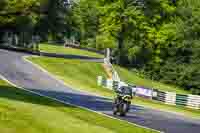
x: 193, y: 101
x: 161, y: 96
x: 190, y: 101
x: 170, y: 98
x: 181, y: 99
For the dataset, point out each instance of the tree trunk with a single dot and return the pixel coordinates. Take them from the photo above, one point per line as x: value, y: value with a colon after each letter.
x: 120, y: 43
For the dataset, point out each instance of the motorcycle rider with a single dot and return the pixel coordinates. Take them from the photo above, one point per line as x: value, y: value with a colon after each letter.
x: 121, y: 98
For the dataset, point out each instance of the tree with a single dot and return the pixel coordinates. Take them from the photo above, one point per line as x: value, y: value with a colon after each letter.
x: 86, y: 19
x: 15, y: 13
x: 54, y: 21
x: 39, y: 17
x: 122, y: 20
x: 20, y: 17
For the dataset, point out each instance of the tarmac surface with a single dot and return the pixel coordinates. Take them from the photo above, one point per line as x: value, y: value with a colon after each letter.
x: 22, y: 73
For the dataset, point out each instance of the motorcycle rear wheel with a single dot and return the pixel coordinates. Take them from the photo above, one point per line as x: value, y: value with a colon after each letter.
x: 115, y: 111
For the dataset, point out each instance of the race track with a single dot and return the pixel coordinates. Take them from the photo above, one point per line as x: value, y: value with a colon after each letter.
x: 24, y: 74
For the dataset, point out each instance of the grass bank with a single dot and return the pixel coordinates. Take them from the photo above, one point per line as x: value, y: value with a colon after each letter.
x: 132, y: 78
x: 81, y: 75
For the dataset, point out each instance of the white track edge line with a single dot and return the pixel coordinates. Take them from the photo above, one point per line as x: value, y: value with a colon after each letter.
x: 57, y: 78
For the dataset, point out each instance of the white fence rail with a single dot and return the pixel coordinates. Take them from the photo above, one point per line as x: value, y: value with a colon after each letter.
x: 170, y: 98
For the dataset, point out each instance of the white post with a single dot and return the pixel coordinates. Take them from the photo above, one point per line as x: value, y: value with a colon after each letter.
x: 73, y: 41
x: 6, y: 38
x: 99, y: 80
x: 108, y: 54
x: 9, y: 40
x: 109, y: 84
x: 16, y: 39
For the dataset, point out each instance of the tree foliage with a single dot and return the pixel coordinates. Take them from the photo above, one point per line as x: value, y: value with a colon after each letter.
x: 43, y: 17
x: 158, y: 37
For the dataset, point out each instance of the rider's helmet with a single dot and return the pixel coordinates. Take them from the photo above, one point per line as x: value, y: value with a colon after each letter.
x: 124, y: 90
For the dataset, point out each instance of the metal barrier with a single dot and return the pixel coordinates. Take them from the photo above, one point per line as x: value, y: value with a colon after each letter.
x: 170, y: 98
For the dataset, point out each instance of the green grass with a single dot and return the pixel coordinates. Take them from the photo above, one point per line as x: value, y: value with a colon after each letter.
x: 60, y: 49
x: 22, y: 112
x: 83, y: 75
x: 132, y: 78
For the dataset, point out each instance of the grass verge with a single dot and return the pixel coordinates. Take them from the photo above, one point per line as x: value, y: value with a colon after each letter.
x: 78, y: 74
x: 59, y: 49
x: 132, y: 78
x: 82, y: 75
x: 21, y: 111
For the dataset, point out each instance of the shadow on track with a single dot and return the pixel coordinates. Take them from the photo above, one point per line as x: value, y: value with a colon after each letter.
x: 55, y: 55
x: 91, y: 102
x: 70, y: 56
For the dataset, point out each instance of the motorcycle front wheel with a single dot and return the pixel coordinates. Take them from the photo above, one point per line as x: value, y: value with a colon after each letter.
x: 123, y: 109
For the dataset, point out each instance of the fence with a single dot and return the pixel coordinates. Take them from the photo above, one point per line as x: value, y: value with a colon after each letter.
x: 71, y: 42
x: 190, y: 101
x: 170, y: 98
x: 22, y: 40
x: 75, y: 44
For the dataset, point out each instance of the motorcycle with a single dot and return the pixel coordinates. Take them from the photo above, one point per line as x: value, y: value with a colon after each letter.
x: 122, y: 101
